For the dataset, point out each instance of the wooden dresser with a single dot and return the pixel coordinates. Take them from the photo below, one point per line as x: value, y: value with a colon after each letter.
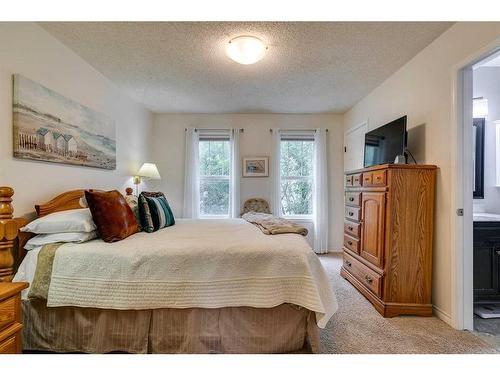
x: 388, y: 229
x: 10, y: 317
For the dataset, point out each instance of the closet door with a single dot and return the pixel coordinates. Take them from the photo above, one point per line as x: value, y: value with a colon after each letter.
x: 373, y: 219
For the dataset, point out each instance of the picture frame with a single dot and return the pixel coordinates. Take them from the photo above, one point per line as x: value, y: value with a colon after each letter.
x: 256, y: 166
x: 50, y: 127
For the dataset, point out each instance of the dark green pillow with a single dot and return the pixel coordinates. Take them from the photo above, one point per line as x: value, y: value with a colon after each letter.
x: 154, y: 211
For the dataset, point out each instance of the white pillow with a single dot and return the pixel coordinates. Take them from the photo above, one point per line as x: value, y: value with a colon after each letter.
x: 79, y: 220
x: 44, y: 239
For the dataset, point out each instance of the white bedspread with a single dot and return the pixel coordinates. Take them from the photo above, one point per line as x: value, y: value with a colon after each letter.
x: 195, y: 263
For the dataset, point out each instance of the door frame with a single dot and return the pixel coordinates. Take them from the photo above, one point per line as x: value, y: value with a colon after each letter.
x: 461, y: 188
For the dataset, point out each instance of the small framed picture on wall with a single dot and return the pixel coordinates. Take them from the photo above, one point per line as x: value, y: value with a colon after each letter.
x: 256, y: 167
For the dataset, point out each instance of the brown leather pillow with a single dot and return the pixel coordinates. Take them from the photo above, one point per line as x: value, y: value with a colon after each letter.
x: 112, y: 215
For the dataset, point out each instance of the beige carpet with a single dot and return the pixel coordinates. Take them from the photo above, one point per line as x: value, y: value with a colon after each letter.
x: 358, y: 328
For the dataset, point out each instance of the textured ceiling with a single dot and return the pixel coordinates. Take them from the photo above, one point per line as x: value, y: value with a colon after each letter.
x: 310, y: 67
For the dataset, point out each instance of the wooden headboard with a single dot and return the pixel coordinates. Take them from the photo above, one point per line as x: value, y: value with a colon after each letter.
x: 69, y: 200
x: 12, y: 241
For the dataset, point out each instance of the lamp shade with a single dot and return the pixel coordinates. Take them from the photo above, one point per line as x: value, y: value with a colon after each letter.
x: 149, y: 170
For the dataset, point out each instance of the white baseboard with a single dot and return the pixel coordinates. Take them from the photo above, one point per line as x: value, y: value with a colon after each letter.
x: 444, y: 316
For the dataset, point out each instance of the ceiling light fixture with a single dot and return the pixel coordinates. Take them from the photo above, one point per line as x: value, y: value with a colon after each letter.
x: 246, y: 50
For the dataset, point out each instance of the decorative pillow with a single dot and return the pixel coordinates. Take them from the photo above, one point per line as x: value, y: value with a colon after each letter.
x: 44, y: 239
x: 112, y: 215
x: 133, y: 202
x: 155, y: 211
x: 79, y: 220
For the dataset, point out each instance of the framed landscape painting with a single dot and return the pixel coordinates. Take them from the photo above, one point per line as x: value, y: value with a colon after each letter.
x: 50, y: 127
x: 256, y: 167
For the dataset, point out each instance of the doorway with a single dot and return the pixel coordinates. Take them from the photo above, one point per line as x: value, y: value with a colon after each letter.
x: 477, y: 195
x: 486, y: 197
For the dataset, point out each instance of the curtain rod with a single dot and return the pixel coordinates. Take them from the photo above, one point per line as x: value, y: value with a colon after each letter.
x: 196, y: 129
x: 298, y: 130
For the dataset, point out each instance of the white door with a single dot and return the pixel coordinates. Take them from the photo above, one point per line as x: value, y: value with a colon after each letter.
x: 354, y: 143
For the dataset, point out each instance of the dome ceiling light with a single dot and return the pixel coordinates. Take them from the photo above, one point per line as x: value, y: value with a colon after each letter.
x: 246, y: 50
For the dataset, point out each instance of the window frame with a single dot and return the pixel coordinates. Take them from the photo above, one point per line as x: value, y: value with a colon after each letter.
x: 207, y: 135
x: 300, y: 136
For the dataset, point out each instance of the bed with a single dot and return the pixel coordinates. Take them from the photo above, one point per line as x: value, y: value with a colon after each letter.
x: 200, y: 286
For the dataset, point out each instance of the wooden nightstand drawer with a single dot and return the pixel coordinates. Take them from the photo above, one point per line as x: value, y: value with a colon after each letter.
x: 7, y: 311
x: 8, y: 346
x: 10, y: 317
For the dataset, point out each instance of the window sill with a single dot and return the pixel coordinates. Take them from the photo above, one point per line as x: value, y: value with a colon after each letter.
x: 214, y: 216
x: 299, y: 218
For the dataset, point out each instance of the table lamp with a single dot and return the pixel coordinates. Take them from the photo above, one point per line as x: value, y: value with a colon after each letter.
x: 148, y: 171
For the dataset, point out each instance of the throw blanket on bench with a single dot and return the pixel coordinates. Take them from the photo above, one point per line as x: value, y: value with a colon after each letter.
x: 270, y: 224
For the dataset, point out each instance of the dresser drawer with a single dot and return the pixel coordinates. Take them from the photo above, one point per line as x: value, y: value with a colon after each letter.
x: 367, y: 178
x: 379, y: 178
x: 375, y: 178
x: 353, y: 213
x: 357, y: 179
x: 368, y: 277
x: 348, y: 180
x: 8, y: 346
x: 351, y: 243
x: 352, y: 229
x: 353, y: 198
x: 7, y: 311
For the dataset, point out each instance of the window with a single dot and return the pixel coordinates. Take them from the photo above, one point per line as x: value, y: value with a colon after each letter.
x: 297, y: 179
x: 215, y: 166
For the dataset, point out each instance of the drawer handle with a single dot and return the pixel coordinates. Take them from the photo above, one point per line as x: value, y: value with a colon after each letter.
x: 351, y: 213
x: 348, y: 264
x: 378, y: 177
x: 351, y: 229
x: 351, y: 199
x: 368, y: 279
x: 350, y: 243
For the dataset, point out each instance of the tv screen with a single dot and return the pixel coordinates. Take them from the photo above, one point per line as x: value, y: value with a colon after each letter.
x: 383, y: 144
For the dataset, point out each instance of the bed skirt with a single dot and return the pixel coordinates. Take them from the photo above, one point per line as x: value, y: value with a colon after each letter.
x: 282, y: 329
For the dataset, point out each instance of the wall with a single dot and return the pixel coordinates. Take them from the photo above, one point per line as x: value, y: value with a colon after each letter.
x: 27, y: 49
x: 422, y: 89
x: 169, y: 148
x: 487, y: 85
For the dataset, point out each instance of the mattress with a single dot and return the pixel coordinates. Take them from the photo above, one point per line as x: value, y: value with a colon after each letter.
x: 194, y: 264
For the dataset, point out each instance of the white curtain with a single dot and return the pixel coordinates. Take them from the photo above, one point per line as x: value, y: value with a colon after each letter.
x: 235, y: 205
x: 276, y: 173
x: 191, y: 207
x: 320, y: 195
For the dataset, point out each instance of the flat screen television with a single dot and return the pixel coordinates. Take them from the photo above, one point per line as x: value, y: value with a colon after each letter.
x: 383, y: 144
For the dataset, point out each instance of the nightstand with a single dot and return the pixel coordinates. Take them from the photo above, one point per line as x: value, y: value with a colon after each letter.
x: 10, y: 317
